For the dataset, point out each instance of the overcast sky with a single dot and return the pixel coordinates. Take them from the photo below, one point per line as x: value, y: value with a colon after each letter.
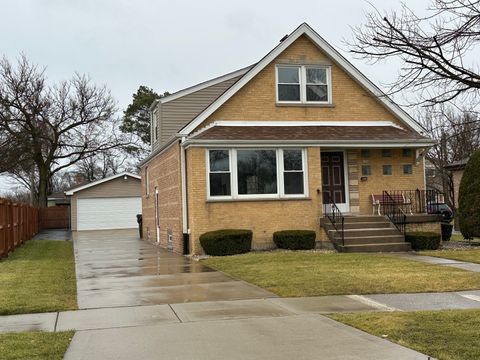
x: 169, y: 45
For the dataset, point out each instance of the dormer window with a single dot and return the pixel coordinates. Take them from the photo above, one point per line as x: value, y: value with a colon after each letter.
x: 306, y: 84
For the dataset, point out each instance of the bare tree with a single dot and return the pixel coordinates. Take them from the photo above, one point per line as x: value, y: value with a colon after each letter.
x: 47, y: 129
x: 434, y: 49
x: 458, y: 137
x: 105, y: 164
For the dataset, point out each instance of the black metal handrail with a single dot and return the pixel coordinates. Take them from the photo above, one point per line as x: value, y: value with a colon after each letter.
x: 417, y: 201
x: 392, y: 209
x: 333, y: 213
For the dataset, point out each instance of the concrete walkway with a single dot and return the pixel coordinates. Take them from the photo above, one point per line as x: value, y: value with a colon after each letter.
x: 440, y: 261
x: 132, y: 316
x: 281, y: 337
x: 115, y: 268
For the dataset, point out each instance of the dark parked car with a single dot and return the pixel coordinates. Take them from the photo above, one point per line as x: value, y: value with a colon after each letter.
x: 442, y: 209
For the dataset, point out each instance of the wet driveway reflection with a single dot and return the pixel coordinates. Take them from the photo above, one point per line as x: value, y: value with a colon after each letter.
x: 115, y: 268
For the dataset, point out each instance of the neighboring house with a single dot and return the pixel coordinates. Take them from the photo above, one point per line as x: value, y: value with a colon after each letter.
x: 110, y: 203
x: 268, y: 146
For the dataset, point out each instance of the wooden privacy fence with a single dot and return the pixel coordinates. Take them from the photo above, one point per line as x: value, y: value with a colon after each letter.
x: 55, y: 217
x: 18, y: 223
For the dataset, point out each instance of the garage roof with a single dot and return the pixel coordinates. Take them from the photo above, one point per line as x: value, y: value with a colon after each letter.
x: 101, y: 181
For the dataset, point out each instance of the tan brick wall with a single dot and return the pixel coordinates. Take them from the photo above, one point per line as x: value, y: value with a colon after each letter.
x: 434, y: 227
x: 164, y: 173
x: 262, y: 217
x: 256, y: 100
x: 378, y: 182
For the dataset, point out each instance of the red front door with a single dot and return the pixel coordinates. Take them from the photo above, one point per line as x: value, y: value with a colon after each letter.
x: 333, y: 177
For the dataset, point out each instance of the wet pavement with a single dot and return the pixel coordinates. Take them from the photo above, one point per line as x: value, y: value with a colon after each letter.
x: 53, y: 234
x: 148, y: 315
x: 114, y: 268
x: 304, y: 336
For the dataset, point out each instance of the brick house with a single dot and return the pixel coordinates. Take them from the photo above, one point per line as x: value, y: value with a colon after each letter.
x: 277, y: 145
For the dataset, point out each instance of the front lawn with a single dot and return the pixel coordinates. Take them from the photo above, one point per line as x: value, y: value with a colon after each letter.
x: 309, y: 273
x: 460, y: 255
x: 34, y: 345
x: 38, y: 277
x: 445, y: 335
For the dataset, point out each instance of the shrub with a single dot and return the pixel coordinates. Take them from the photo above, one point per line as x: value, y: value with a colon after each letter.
x: 295, y: 239
x: 469, y: 198
x: 226, y: 242
x: 446, y: 231
x: 423, y: 240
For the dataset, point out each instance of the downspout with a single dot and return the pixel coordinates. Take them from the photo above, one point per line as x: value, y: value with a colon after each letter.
x: 183, y: 170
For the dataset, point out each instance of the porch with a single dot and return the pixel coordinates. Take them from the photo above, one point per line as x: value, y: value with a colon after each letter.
x: 395, y: 212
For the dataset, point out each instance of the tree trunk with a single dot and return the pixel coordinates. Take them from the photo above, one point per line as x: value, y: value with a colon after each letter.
x: 42, y: 188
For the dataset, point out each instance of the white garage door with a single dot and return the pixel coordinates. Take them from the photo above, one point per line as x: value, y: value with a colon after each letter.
x: 108, y: 213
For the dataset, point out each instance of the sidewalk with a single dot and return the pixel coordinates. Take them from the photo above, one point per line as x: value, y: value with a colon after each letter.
x: 440, y: 261
x: 132, y: 316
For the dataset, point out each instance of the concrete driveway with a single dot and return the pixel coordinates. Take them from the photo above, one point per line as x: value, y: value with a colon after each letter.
x: 114, y: 268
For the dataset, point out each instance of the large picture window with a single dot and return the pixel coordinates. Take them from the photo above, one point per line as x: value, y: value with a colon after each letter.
x: 256, y: 173
x: 303, y: 84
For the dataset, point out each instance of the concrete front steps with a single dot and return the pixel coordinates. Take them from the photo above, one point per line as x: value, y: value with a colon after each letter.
x: 366, y: 233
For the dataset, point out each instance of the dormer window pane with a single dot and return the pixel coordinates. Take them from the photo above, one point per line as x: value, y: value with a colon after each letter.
x: 317, y: 76
x: 288, y: 75
x: 288, y: 83
x: 317, y: 93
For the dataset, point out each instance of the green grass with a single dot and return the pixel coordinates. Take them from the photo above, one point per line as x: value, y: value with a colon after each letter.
x: 307, y: 273
x: 459, y: 237
x: 38, y: 277
x: 460, y: 255
x: 446, y: 335
x: 34, y: 345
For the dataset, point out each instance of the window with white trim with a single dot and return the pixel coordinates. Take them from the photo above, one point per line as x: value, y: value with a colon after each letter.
x: 219, y: 172
x: 303, y: 84
x: 293, y: 172
x: 256, y: 173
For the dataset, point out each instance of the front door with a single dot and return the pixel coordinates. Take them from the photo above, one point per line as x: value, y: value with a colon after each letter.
x: 333, y: 179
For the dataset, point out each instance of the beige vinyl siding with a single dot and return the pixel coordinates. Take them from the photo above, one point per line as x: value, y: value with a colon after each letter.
x: 114, y: 188
x: 175, y: 114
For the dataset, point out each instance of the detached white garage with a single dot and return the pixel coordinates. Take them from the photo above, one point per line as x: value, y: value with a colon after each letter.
x: 110, y: 203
